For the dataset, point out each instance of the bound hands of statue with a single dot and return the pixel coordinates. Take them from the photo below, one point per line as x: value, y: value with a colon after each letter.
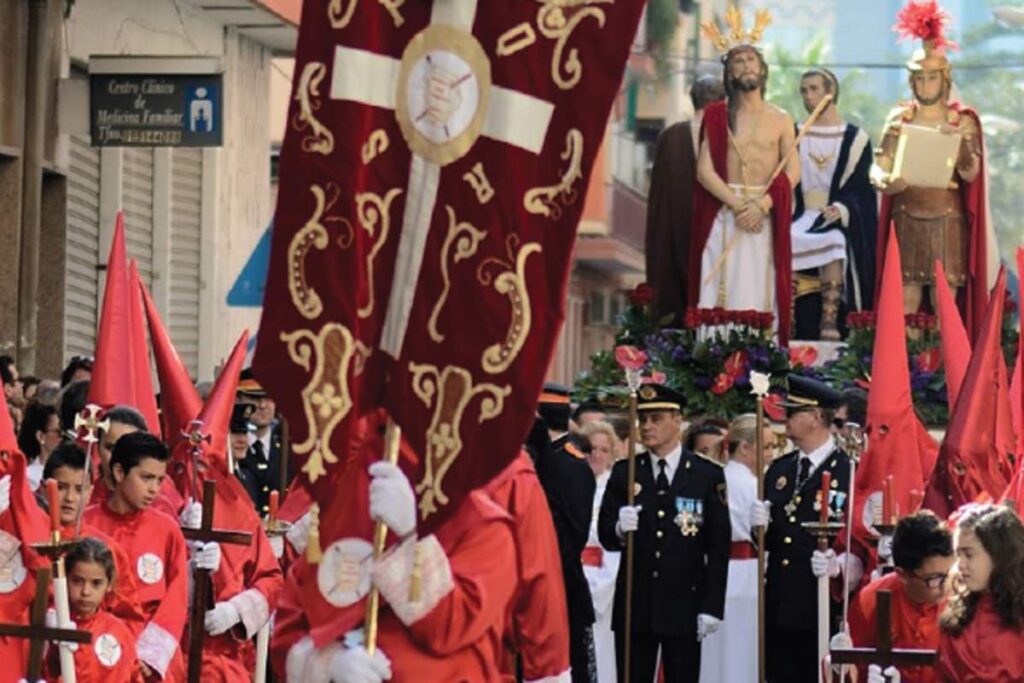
x: 750, y: 216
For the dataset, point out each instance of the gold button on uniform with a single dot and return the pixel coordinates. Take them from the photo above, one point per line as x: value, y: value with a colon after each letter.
x: 660, y: 533
x: 785, y: 562
x: 657, y: 554
x: 792, y: 520
x: 787, y: 539
x: 661, y: 514
x: 655, y: 573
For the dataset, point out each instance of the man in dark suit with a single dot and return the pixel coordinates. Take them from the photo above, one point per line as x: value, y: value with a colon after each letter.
x: 670, y: 203
x: 792, y: 487
x: 260, y: 469
x: 569, y: 484
x: 682, y: 534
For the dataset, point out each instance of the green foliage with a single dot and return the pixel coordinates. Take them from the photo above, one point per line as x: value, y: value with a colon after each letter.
x: 660, y: 30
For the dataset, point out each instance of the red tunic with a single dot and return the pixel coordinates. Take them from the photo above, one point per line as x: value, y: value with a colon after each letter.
x: 156, y: 550
x: 914, y: 626
x: 110, y: 658
x: 168, y: 501
x: 986, y: 651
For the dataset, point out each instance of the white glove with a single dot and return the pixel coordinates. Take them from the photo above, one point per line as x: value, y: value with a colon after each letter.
x: 629, y: 520
x: 207, y: 556
x: 356, y: 665
x: 825, y: 563
x: 277, y: 546
x: 298, y: 535
x: 5, y: 493
x: 760, y: 513
x: 221, y: 618
x: 391, y: 498
x: 841, y: 641
x: 876, y: 675
x: 51, y: 622
x: 885, y: 548
x: 872, y: 513
x: 192, y: 515
x: 706, y: 625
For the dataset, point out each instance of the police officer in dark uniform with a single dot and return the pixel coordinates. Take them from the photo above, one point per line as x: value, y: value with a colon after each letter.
x: 792, y: 489
x: 569, y: 485
x: 260, y: 469
x: 682, y: 535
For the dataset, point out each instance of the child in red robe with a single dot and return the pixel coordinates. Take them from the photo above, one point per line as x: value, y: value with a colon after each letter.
x: 982, y: 627
x: 111, y: 654
x: 155, y: 547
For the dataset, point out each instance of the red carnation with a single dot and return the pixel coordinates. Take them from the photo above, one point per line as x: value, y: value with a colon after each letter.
x: 642, y: 295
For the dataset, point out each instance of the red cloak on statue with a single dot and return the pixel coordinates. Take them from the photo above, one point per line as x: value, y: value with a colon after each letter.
x: 973, y: 195
x: 715, y: 131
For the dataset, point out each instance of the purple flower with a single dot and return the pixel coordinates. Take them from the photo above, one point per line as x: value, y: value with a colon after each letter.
x: 758, y: 357
x: 680, y: 354
x: 703, y: 382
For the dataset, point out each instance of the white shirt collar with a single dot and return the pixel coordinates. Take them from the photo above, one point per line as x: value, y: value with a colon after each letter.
x: 818, y: 455
x: 673, y: 463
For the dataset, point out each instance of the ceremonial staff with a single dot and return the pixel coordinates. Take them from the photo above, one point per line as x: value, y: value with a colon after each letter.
x: 87, y: 423
x: 392, y: 438
x: 55, y: 550
x: 759, y: 387
x: 854, y: 447
x: 275, y: 528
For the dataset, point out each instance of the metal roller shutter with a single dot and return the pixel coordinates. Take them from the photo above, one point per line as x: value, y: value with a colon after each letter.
x: 186, y: 205
x: 82, y: 254
x: 138, y: 208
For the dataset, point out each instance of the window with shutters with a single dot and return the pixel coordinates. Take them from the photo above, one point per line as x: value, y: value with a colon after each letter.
x: 186, y: 205
x: 82, y: 253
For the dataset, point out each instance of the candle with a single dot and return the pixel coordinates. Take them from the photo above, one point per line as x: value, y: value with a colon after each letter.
x: 887, y: 501
x: 275, y: 497
x: 826, y: 487
x: 53, y: 498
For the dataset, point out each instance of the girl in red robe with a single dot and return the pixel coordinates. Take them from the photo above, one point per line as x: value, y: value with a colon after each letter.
x: 983, y: 624
x: 111, y: 654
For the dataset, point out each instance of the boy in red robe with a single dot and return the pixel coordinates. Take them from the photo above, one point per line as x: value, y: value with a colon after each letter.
x: 922, y: 549
x: 156, y: 548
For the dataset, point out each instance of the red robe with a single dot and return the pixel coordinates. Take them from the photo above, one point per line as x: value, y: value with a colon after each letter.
x: 973, y: 195
x: 156, y: 549
x: 457, y: 640
x: 168, y: 501
x: 538, y: 623
x: 986, y: 651
x: 715, y: 132
x: 914, y: 626
x: 14, y: 609
x: 123, y: 601
x: 110, y: 658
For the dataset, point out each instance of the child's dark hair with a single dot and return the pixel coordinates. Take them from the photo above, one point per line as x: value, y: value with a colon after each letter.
x: 68, y: 454
x: 918, y: 537
x: 91, y: 549
x: 131, y: 448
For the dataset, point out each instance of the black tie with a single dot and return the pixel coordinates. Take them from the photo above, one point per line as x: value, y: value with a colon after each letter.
x: 257, y: 448
x: 805, y: 469
x: 662, y: 481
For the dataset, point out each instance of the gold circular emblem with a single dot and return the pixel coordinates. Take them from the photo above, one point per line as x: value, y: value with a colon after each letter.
x: 444, y: 85
x: 648, y: 393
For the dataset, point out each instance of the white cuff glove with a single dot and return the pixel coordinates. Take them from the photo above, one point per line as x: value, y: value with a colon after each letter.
x: 355, y: 665
x: 192, y: 515
x: 207, y: 556
x: 5, y: 493
x: 221, y: 618
x: 391, y: 498
x: 298, y: 535
x: 277, y: 546
x: 51, y: 622
x: 760, y: 514
x: 706, y: 625
x: 825, y: 564
x: 841, y: 641
x: 629, y: 520
x: 885, y: 548
x: 876, y: 675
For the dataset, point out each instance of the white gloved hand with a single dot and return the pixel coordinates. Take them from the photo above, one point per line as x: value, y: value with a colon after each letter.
x: 876, y: 675
x: 825, y: 563
x: 629, y: 519
x: 5, y: 493
x: 298, y: 535
x: 221, y: 618
x: 885, y: 548
x: 841, y: 641
x: 706, y: 625
x: 391, y: 498
x: 277, y: 546
x: 356, y: 665
x: 192, y: 515
x: 760, y: 513
x: 207, y: 556
x: 51, y: 622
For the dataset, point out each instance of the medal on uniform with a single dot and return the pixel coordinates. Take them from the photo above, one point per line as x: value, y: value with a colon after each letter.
x: 690, y: 515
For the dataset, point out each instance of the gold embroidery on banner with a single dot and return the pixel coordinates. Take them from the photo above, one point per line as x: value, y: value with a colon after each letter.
x: 477, y: 179
x: 542, y: 200
x: 321, y: 140
x: 313, y: 234
x: 515, y: 39
x: 393, y: 6
x: 449, y: 391
x: 325, y: 399
x: 339, y: 12
x: 466, y: 239
x: 375, y: 145
x: 557, y: 19
x: 511, y: 283
x: 371, y: 209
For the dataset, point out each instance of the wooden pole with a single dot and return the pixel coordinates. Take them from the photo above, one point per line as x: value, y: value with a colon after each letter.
x: 392, y: 437
x: 630, y: 497
x: 759, y: 464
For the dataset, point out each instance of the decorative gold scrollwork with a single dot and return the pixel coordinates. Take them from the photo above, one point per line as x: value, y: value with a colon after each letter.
x: 393, y: 7
x: 477, y: 179
x: 375, y: 145
x: 371, y: 210
x: 339, y: 12
x: 466, y: 239
x: 515, y: 39
x: 511, y: 283
x: 314, y: 234
x: 449, y: 392
x: 543, y: 200
x: 321, y: 139
x: 326, y: 400
x: 557, y: 19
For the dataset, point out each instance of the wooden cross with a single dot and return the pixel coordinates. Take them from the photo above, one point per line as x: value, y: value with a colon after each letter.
x: 38, y: 632
x: 201, y: 578
x: 884, y: 655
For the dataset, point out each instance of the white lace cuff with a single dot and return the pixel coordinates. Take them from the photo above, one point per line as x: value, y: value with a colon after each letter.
x: 306, y: 664
x: 844, y: 213
x: 298, y: 534
x: 564, y: 677
x: 156, y: 647
x: 253, y: 609
x: 393, y: 575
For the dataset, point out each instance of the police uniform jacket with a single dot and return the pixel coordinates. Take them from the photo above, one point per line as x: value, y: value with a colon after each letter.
x: 791, y: 597
x: 676, y: 576
x: 260, y: 476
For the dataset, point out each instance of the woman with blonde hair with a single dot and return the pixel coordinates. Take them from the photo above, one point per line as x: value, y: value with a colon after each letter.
x: 599, y: 565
